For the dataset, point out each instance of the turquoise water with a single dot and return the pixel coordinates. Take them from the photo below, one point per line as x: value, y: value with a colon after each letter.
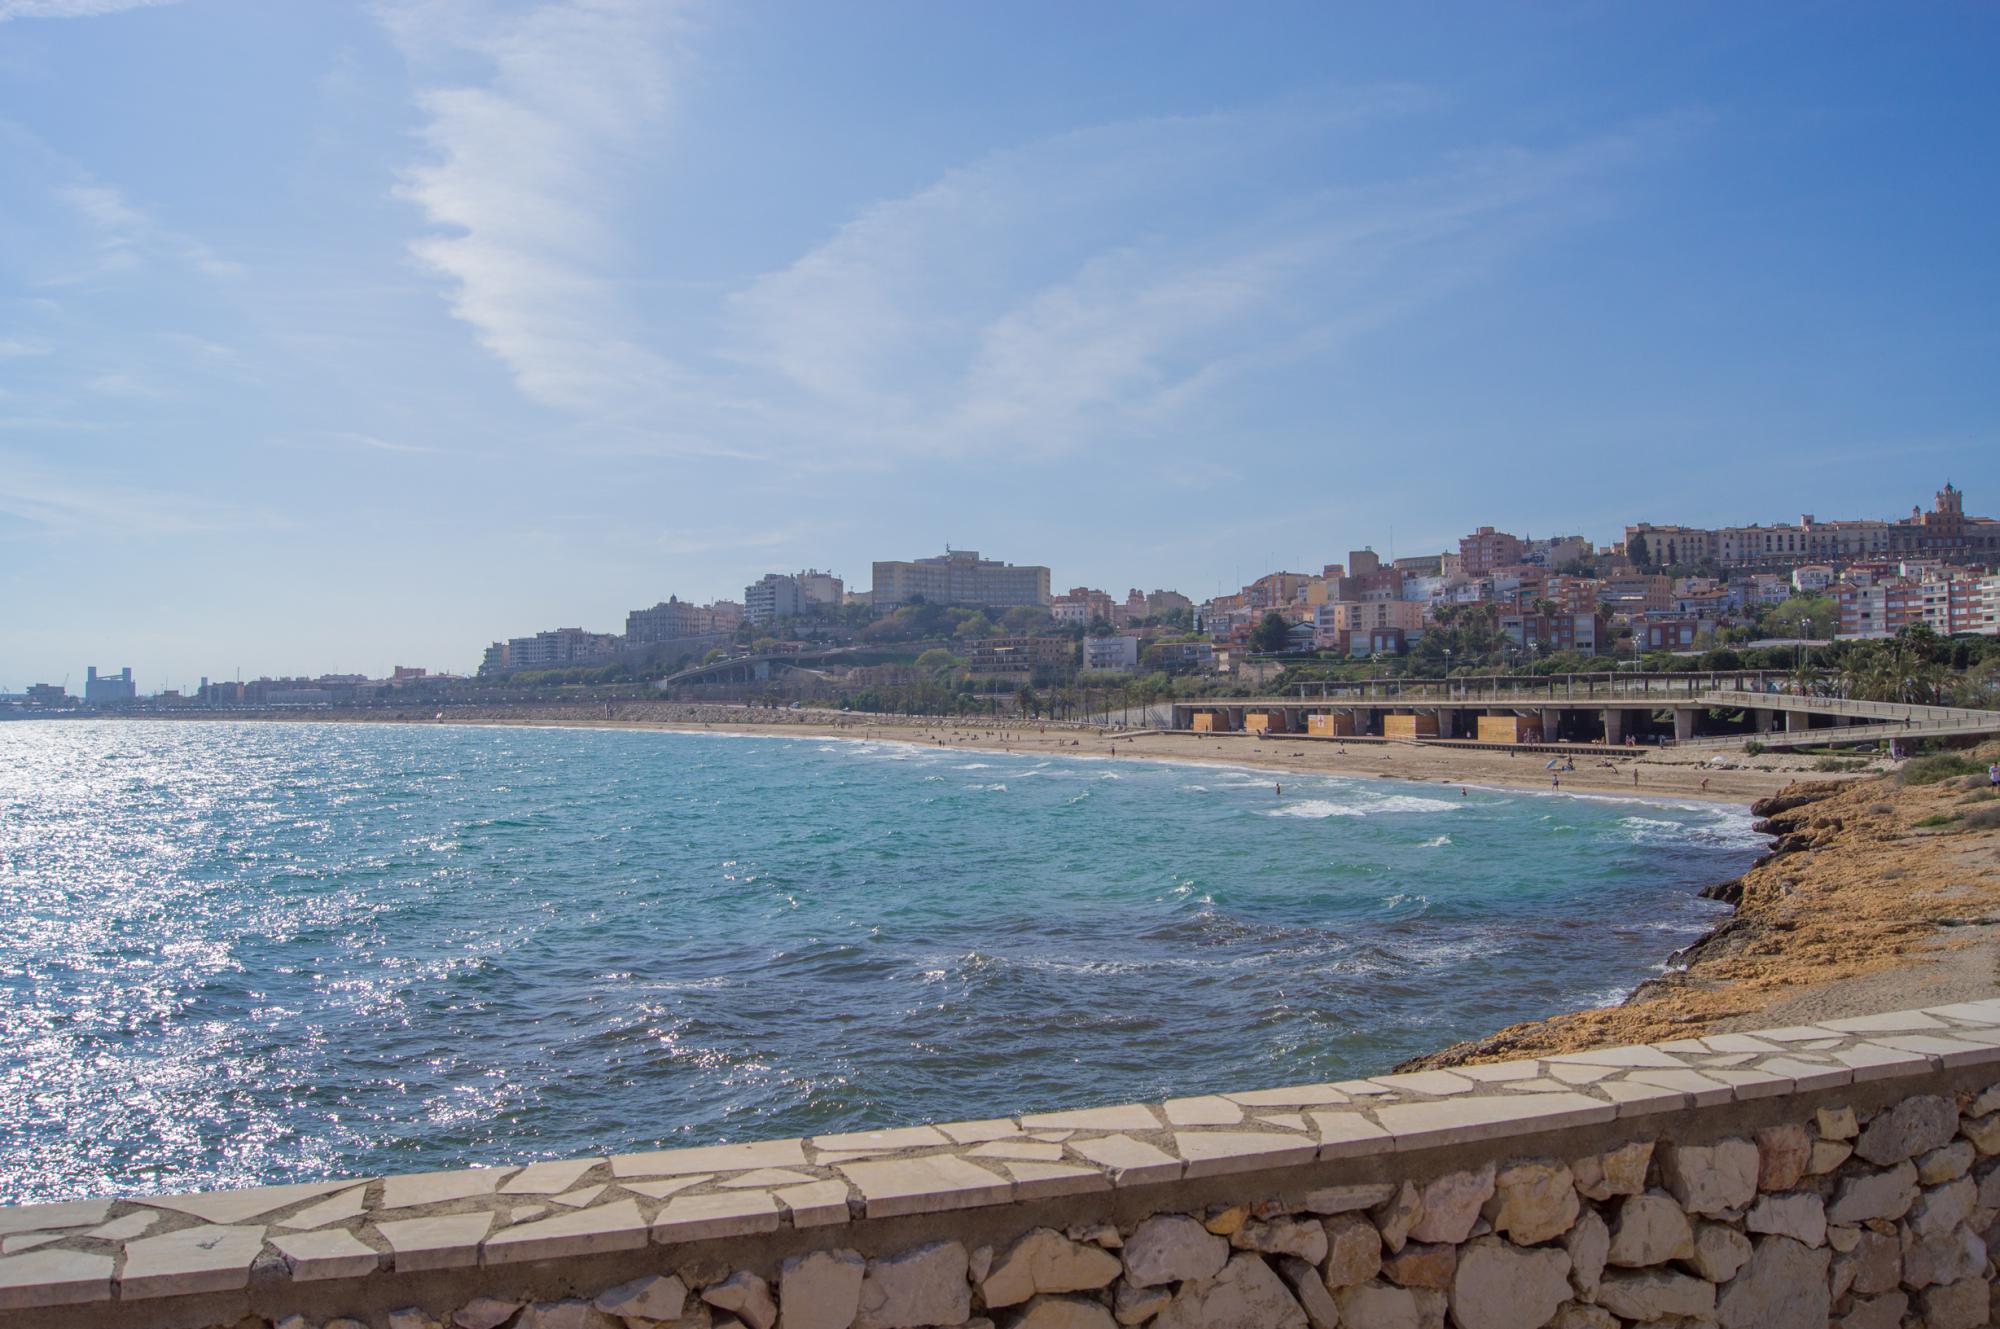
x: 241, y: 953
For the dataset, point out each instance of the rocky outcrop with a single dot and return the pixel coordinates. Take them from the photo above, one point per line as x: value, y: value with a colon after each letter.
x: 1855, y: 883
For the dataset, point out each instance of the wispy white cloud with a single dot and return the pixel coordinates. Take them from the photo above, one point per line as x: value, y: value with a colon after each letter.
x: 65, y: 502
x: 524, y: 175
x: 125, y: 234
x: 11, y: 9
x: 370, y: 443
x: 125, y: 385
x: 16, y: 348
x: 1089, y: 288
x: 1104, y: 284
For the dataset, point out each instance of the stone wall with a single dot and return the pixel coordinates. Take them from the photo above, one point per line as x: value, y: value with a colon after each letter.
x: 1845, y: 1174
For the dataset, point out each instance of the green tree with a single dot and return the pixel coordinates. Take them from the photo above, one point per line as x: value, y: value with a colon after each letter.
x: 936, y: 660
x: 1637, y: 551
x: 1909, y: 668
x: 1814, y: 616
x: 1272, y: 635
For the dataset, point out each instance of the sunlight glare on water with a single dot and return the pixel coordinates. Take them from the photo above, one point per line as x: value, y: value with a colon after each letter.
x: 241, y: 954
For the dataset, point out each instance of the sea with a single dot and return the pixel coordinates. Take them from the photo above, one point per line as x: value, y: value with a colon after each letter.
x: 240, y: 953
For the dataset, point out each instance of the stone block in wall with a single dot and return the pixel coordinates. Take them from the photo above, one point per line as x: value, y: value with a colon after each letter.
x: 1942, y: 1208
x: 1354, y: 1251
x: 1063, y: 1313
x: 1960, y: 1305
x: 1782, y: 1286
x: 1379, y: 1305
x: 919, y: 1288
x: 1588, y: 1243
x: 820, y: 1290
x: 1800, y: 1215
x: 1498, y: 1285
x: 1711, y: 1179
x: 1654, y: 1294
x: 1172, y: 1248
x: 1946, y: 1163
x: 1868, y: 1195
x: 1451, y: 1205
x: 1914, y: 1126
x: 1311, y: 1292
x: 1421, y: 1264
x: 1649, y: 1229
x: 1395, y: 1216
x: 1533, y: 1202
x: 1883, y: 1312
x: 1783, y: 1153
x: 1247, y: 1294
x: 1045, y: 1261
x: 1620, y: 1171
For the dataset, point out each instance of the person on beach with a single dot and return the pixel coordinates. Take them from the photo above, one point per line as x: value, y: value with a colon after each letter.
x: 1993, y: 776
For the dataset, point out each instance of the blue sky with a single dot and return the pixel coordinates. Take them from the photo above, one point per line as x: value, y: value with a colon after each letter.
x: 337, y: 335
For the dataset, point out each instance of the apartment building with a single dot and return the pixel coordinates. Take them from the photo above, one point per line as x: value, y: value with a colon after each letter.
x: 1987, y: 619
x: 1182, y: 656
x: 1110, y: 655
x: 818, y: 588
x: 674, y: 619
x: 1877, y: 601
x: 771, y: 597
x: 1666, y: 632
x: 1486, y: 549
x: 1337, y: 625
x: 1037, y: 656
x: 1944, y: 532
x: 959, y: 577
x: 559, y: 648
x: 1082, y: 606
x: 1587, y: 633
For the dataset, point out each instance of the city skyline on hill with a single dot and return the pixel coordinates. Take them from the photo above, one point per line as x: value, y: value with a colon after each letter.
x: 334, y: 337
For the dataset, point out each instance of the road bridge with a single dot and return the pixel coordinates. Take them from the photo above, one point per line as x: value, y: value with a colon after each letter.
x: 749, y: 668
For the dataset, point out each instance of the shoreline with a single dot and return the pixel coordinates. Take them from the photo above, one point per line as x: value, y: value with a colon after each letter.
x: 1734, y: 779
x: 1873, y: 897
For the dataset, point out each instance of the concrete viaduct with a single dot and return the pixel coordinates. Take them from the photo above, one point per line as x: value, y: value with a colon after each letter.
x: 1721, y: 710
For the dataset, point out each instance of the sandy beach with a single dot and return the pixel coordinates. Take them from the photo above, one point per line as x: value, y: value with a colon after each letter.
x: 1735, y: 778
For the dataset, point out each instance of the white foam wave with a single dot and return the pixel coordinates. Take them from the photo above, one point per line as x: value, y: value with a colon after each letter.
x: 1409, y: 803
x: 1722, y: 833
x: 1438, y: 843
x: 1314, y: 809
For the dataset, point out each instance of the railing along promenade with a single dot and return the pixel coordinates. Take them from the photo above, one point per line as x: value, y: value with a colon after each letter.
x: 1525, y: 688
x: 1746, y: 689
